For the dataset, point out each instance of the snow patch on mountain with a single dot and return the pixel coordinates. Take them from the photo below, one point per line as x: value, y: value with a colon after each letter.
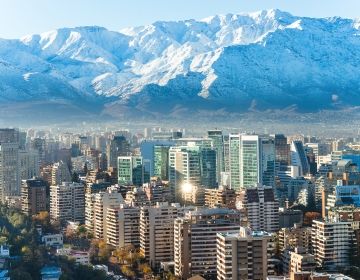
x: 249, y: 60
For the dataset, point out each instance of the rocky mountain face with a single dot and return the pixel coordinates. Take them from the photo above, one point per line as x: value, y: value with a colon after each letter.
x: 235, y: 63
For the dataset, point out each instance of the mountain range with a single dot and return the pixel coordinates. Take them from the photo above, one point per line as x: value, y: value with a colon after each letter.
x: 267, y: 61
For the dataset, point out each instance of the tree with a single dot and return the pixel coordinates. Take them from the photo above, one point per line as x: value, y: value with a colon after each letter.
x: 19, y: 274
x: 310, y: 216
x: 145, y: 269
x: 127, y: 271
x: 75, y: 178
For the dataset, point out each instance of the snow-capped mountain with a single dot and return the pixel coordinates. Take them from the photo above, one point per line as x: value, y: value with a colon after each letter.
x: 236, y: 62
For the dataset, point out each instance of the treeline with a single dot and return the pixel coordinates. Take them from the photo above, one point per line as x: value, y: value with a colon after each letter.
x: 29, y: 256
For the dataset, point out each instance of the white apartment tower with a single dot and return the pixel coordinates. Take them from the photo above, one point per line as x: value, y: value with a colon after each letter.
x: 243, y: 255
x: 195, y: 239
x: 122, y: 225
x: 331, y: 241
x: 157, y: 233
x: 67, y: 202
x: 103, y: 201
x: 262, y: 208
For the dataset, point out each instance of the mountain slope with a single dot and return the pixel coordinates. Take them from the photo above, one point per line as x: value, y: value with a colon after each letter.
x: 268, y: 60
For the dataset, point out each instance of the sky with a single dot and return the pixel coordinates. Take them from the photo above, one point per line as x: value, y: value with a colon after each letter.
x: 22, y: 17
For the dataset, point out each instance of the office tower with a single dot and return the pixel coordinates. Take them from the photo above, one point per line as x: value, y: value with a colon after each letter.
x: 9, y: 135
x: 331, y: 241
x: 267, y: 161
x: 90, y: 190
x: 9, y: 170
x: 100, y: 143
x: 52, y: 148
x: 262, y: 208
x: 252, y: 161
x: 222, y: 197
x: 9, y: 163
x: 161, y: 162
x: 60, y: 173
x: 344, y: 195
x: 257, y: 161
x: 234, y: 161
x: 208, y: 168
x: 102, y: 202
x: 147, y: 132
x: 130, y: 170
x: 282, y: 150
x: 157, y: 233
x: 39, y: 145
x: 155, y: 155
x: 122, y: 224
x: 117, y: 147
x: 195, y: 240
x: 218, y: 145
x: 226, y: 153
x: 184, y: 168
x: 319, y: 149
x: 298, y: 157
x: 33, y: 196
x: 67, y: 202
x: 102, y: 161
x: 29, y: 164
x: 243, y: 255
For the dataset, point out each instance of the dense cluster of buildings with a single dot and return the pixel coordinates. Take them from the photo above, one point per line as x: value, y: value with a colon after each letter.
x: 223, y: 206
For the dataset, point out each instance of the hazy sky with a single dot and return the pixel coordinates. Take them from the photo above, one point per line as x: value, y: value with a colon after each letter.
x: 22, y: 17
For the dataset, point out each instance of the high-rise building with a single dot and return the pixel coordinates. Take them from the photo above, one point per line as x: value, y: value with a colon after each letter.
x: 102, y: 202
x: 155, y: 155
x: 161, y: 161
x: 9, y: 170
x: 234, y: 161
x: 282, y: 149
x: 122, y: 224
x: 60, y: 173
x: 226, y: 153
x: 331, y: 241
x: 218, y: 145
x: 184, y: 168
x: 117, y: 147
x: 67, y: 202
x: 157, y: 233
x: 39, y: 145
x: 130, y: 170
x: 9, y: 135
x: 252, y: 160
x: 208, y: 169
x: 90, y: 190
x: 195, y: 240
x: 257, y: 161
x: 298, y: 157
x: 29, y: 164
x: 243, y: 255
x: 262, y: 208
x: 34, y: 197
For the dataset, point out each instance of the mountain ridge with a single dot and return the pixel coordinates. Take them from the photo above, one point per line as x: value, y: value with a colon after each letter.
x: 246, y: 62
